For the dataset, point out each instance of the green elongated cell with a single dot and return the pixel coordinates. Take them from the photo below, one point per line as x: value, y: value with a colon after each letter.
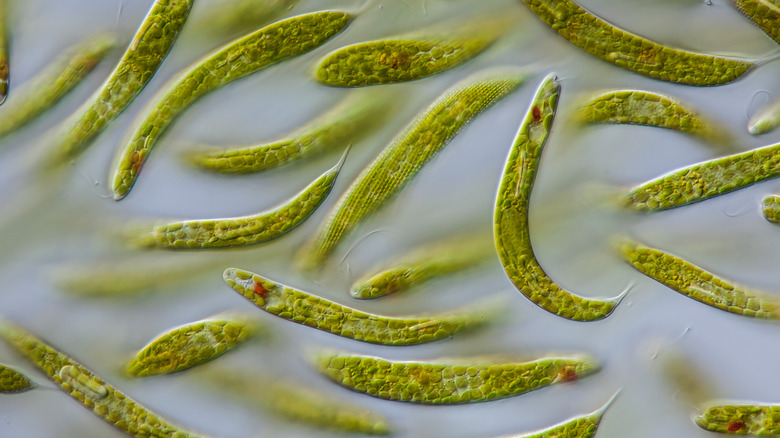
x: 584, y: 426
x: 409, y: 56
x: 424, y: 264
x: 96, y: 394
x: 146, y: 52
x: 637, y: 107
x: 5, y: 70
x: 218, y: 19
x: 633, y: 52
x: 244, y: 230
x: 191, y: 344
x: 510, y: 220
x: 697, y: 283
x: 354, y: 116
x: 450, y: 383
x: 54, y: 82
x: 705, y: 180
x: 771, y: 208
x: 304, y: 308
x: 299, y: 403
x: 237, y: 59
x: 764, y: 13
x: 406, y: 155
x: 741, y: 419
x: 132, y: 276
x: 13, y: 381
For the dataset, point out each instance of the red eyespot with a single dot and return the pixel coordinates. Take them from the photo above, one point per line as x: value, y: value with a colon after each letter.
x: 736, y: 425
x: 260, y: 290
x: 536, y: 113
x: 568, y: 375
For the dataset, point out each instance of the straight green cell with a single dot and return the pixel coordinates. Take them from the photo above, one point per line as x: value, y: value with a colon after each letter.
x: 697, y: 283
x: 633, y: 52
x: 409, y: 56
x: 452, y: 382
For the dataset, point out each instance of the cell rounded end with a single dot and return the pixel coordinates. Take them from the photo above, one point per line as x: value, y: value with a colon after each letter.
x: 760, y: 126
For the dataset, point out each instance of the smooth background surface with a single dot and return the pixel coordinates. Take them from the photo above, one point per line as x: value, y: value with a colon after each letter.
x: 571, y: 223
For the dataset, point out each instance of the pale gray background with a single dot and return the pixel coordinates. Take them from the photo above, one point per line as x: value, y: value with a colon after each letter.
x: 571, y: 223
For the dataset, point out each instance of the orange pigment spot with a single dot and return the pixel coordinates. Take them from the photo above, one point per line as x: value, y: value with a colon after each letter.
x: 536, y: 113
x: 260, y: 290
x: 736, y: 425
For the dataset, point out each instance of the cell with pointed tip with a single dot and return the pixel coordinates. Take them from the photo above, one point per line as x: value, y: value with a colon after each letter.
x: 87, y: 388
x: 407, y: 154
x: 49, y: 86
x: 510, y: 219
x: 12, y: 380
x: 240, y: 231
x: 697, y: 283
x: 353, y: 117
x: 423, y: 264
x: 635, y: 53
x: 260, y: 49
x: 453, y: 381
x: 584, y: 426
x: 317, y: 312
x: 146, y: 52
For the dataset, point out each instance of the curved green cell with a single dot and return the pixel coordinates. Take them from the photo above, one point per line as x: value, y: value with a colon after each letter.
x: 705, y: 180
x: 298, y: 402
x: 510, y: 220
x: 13, y: 381
x: 248, y: 54
x: 244, y: 230
x: 406, y: 155
x: 409, y: 56
x: 771, y: 208
x: 450, y: 383
x: 636, y: 107
x: 191, y: 344
x: 54, y: 82
x: 5, y: 70
x: 220, y: 19
x: 307, y: 309
x: 741, y: 419
x: 146, y: 52
x: 633, y: 52
x: 764, y: 13
x: 351, y: 118
x: 584, y: 426
x: 424, y: 264
x: 694, y: 282
x: 96, y: 394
